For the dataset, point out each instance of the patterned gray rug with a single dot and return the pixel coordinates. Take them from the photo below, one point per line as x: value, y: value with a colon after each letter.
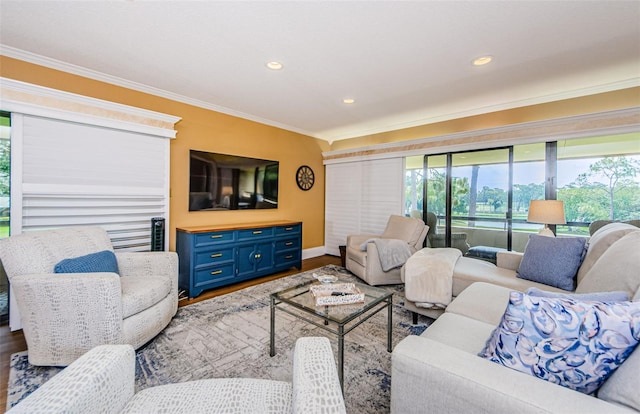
x: 228, y: 336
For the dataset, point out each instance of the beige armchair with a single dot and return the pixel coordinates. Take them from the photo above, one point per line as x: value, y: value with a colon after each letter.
x: 368, y: 264
x: 64, y: 315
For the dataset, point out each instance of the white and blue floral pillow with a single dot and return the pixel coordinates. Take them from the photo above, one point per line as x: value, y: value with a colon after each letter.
x: 572, y: 343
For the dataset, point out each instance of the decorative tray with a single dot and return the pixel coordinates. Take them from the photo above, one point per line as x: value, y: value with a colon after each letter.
x: 336, y: 294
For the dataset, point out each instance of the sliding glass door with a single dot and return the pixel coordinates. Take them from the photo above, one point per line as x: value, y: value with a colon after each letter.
x: 481, y: 197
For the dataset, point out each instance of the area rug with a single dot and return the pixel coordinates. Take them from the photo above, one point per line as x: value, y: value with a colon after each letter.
x: 228, y: 336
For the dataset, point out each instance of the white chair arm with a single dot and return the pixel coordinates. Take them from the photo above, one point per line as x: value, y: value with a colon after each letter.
x: 316, y: 387
x: 147, y: 264
x: 54, y: 308
x: 100, y: 381
x: 150, y: 264
x: 444, y: 379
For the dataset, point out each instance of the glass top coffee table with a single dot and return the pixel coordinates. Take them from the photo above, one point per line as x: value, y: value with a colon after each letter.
x: 299, y: 302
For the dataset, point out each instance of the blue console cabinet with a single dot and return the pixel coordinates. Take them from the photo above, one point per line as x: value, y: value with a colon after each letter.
x: 216, y: 256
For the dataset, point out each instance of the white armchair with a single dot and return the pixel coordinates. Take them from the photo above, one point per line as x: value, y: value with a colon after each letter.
x: 102, y: 381
x: 366, y: 264
x: 64, y: 315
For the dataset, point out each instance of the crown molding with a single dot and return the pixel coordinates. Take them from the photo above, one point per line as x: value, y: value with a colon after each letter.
x: 117, y: 81
x: 613, y: 122
x: 323, y: 135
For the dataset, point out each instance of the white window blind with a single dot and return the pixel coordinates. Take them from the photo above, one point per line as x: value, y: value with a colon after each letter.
x: 360, y: 197
x: 78, y: 174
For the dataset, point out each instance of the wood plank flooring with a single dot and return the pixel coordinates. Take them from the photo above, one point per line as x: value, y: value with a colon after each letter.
x: 11, y: 342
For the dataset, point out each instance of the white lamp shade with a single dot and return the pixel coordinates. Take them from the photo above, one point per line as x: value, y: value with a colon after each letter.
x: 546, y: 212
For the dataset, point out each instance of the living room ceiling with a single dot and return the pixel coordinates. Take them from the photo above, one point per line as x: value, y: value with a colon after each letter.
x: 404, y: 63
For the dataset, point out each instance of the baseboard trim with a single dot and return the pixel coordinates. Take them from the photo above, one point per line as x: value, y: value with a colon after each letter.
x: 313, y: 252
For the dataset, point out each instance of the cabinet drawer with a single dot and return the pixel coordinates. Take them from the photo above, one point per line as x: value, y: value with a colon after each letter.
x: 255, y: 234
x: 285, y: 244
x: 211, y: 256
x: 214, y: 274
x: 205, y: 239
x: 287, y: 258
x: 295, y: 229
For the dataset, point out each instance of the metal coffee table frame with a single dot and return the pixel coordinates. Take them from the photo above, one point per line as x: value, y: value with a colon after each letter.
x: 300, y: 298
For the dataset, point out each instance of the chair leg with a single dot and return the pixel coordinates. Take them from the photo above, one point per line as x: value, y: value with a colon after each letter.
x: 414, y: 316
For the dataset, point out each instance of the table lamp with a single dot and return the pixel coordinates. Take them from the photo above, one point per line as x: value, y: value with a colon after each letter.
x: 546, y: 212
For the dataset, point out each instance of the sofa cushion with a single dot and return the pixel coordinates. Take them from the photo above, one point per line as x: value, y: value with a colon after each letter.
x: 552, y: 261
x: 616, y: 269
x: 616, y: 296
x: 484, y: 302
x: 574, y: 344
x: 622, y: 385
x: 600, y: 242
x: 461, y: 332
x: 103, y: 261
x: 142, y: 292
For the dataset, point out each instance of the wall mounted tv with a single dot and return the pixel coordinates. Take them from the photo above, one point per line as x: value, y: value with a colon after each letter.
x: 231, y: 182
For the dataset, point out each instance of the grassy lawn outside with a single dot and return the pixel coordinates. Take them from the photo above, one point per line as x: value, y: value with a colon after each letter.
x: 4, y: 227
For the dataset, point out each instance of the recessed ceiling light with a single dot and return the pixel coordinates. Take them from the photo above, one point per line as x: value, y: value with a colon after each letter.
x: 348, y: 100
x: 274, y: 65
x: 482, y: 60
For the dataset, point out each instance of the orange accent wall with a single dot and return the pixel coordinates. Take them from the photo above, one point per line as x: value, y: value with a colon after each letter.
x: 208, y: 130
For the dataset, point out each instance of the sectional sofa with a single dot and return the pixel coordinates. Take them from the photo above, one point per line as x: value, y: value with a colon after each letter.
x: 467, y: 270
x: 441, y: 370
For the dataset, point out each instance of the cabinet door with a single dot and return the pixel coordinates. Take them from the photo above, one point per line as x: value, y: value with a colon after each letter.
x: 255, y: 258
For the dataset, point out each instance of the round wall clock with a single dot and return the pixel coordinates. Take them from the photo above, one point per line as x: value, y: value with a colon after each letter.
x: 305, y: 177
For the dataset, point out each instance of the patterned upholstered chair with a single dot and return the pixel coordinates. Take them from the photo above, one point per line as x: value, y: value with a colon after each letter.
x: 64, y: 315
x: 102, y: 381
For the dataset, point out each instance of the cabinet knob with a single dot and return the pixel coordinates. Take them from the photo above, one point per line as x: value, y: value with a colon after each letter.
x: 288, y: 229
x: 257, y: 232
x: 288, y: 243
x: 213, y: 256
x: 289, y: 257
x: 216, y: 236
x: 216, y: 272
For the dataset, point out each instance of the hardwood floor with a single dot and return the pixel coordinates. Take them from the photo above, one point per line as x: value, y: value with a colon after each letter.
x: 11, y: 342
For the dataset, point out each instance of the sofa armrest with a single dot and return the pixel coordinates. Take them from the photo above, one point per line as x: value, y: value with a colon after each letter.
x: 509, y: 260
x: 100, y: 381
x: 430, y: 374
x: 54, y: 308
x: 316, y: 387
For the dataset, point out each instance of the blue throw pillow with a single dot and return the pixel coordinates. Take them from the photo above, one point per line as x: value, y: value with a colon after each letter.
x: 572, y: 343
x: 552, y: 261
x: 616, y: 296
x: 104, y: 261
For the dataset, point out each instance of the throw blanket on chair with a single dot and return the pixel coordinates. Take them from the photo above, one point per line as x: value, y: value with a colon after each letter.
x: 392, y: 252
x: 428, y: 277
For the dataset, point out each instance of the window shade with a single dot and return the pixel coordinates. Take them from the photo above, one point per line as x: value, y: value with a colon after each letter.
x: 360, y: 197
x: 77, y: 174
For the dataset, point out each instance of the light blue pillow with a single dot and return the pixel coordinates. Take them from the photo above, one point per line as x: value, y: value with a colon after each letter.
x: 552, y: 261
x: 616, y: 296
x: 104, y: 261
x: 576, y: 344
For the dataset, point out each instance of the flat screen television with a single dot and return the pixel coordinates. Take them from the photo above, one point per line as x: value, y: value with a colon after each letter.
x: 231, y: 182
